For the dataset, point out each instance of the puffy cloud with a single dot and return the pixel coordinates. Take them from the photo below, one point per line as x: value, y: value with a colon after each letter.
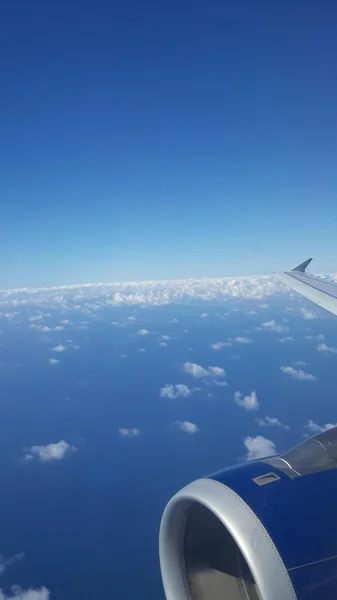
x: 315, y: 428
x: 204, y: 315
x: 187, y: 426
x: 243, y: 340
x: 307, y: 314
x: 132, y: 432
x: 51, y: 452
x: 154, y: 293
x: 271, y: 422
x: 59, y: 348
x: 199, y: 371
x: 46, y: 329
x: 131, y: 318
x: 325, y: 348
x: 53, y: 361
x: 248, y: 402
x: 298, y: 374
x: 179, y: 390
x: 273, y: 326
x: 320, y: 336
x: 18, y: 593
x: 259, y: 447
x: 143, y: 332
x: 219, y: 345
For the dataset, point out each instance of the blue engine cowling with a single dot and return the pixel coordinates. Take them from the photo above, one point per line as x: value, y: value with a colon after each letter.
x: 265, y: 530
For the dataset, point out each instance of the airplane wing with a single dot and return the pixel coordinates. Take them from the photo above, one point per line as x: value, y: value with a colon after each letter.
x: 323, y: 293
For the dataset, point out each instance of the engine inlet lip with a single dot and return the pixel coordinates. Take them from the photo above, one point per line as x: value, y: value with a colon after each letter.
x: 263, y: 559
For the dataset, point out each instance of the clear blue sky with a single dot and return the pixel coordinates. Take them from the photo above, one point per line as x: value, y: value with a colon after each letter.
x: 156, y: 140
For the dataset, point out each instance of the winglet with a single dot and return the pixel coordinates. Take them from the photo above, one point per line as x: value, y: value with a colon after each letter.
x: 302, y: 267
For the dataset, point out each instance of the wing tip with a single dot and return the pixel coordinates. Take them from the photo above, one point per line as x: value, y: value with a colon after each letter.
x: 302, y: 266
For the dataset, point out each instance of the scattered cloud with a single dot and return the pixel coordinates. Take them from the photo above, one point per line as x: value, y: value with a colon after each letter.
x: 204, y: 315
x: 271, y: 422
x: 298, y: 374
x: 320, y: 336
x: 143, y: 332
x: 300, y: 363
x: 8, y: 562
x: 59, y: 348
x: 166, y: 337
x: 132, y: 432
x: 325, y: 348
x: 51, y: 452
x: 259, y: 447
x: 307, y: 314
x: 314, y: 428
x: 53, y: 361
x: 142, y: 350
x: 178, y: 390
x: 187, y: 427
x: 17, y: 593
x: 273, y: 326
x: 248, y: 402
x: 263, y: 306
x: 243, y: 340
x: 162, y: 344
x: 65, y: 322
x: 286, y: 339
x: 219, y: 345
x: 46, y: 329
x: 199, y: 371
x: 36, y: 318
x: 131, y: 318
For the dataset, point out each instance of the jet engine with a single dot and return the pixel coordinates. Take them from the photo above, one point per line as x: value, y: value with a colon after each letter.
x: 264, y: 530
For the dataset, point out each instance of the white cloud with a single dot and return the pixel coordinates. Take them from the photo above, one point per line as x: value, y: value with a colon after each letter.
x: 219, y: 345
x: 307, y: 314
x: 143, y: 350
x: 59, y: 348
x: 65, y: 322
x: 166, y: 337
x: 300, y: 363
x: 199, y: 371
x: 18, y: 593
x: 320, y: 336
x: 204, y: 315
x: 325, y: 348
x: 248, y: 402
x: 286, y: 339
x: 143, y: 332
x: 273, y: 326
x: 315, y: 428
x: 132, y: 432
x: 259, y: 447
x: 179, y: 390
x: 8, y: 562
x: 46, y: 329
x: 57, y: 451
x: 36, y: 318
x: 187, y: 426
x: 162, y: 344
x: 243, y: 340
x: 53, y: 361
x: 298, y: 374
x: 131, y: 318
x: 271, y: 422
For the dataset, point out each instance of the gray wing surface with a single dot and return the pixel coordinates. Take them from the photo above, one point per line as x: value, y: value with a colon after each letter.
x: 323, y: 293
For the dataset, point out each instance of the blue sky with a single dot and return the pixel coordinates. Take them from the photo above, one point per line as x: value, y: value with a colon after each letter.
x: 166, y: 140
x: 112, y: 400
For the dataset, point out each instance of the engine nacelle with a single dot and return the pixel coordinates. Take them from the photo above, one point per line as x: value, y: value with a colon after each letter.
x: 265, y: 530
